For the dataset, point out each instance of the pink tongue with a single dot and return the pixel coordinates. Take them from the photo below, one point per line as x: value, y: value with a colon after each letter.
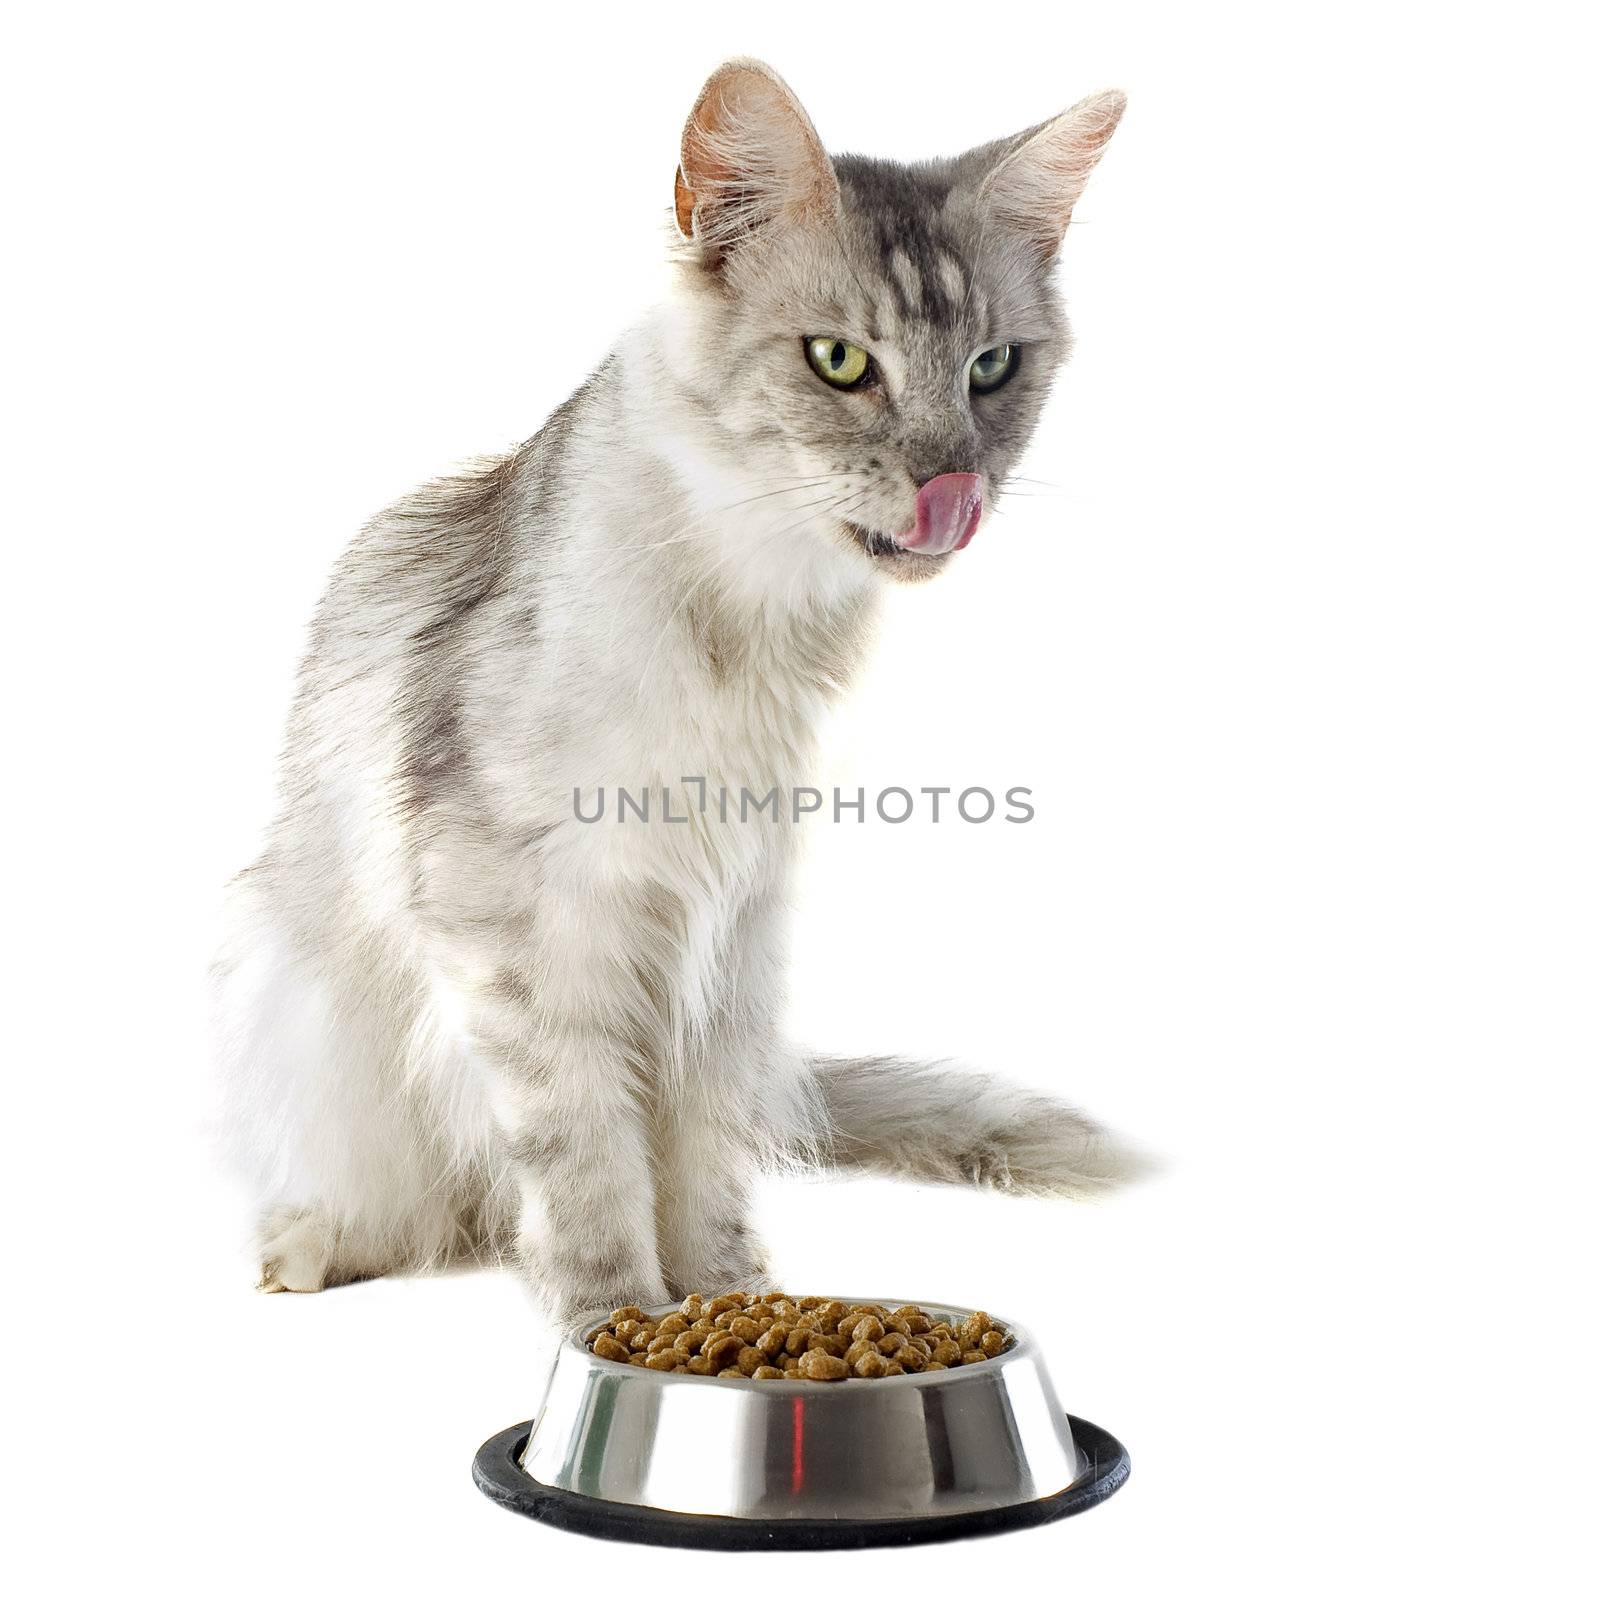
x: 948, y: 508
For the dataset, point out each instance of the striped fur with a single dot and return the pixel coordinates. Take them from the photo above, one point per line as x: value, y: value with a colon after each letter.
x: 456, y: 1022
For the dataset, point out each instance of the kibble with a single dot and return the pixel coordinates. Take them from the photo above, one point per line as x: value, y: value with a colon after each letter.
x: 809, y: 1339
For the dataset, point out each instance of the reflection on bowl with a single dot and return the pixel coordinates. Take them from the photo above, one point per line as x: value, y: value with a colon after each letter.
x: 922, y: 1445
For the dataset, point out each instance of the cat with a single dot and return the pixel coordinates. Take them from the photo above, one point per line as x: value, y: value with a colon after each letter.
x: 459, y: 1024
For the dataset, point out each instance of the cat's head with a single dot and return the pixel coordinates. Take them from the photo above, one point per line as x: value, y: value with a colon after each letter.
x: 875, y: 341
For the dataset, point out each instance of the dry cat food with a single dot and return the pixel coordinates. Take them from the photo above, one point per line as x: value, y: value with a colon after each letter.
x: 781, y: 1336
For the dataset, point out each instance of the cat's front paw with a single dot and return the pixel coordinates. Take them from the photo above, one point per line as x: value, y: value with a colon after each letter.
x: 736, y: 1260
x: 574, y: 1284
x: 296, y: 1253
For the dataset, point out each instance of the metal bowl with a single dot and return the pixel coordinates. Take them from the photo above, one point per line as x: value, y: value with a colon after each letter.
x: 676, y: 1458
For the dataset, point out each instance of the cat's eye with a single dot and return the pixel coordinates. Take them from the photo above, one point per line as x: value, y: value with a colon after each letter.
x: 992, y: 368
x: 837, y: 361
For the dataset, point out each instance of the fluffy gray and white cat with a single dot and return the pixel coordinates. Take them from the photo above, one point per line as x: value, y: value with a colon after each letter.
x: 457, y: 1021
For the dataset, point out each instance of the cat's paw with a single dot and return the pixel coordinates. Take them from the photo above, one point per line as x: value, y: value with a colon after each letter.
x: 296, y: 1254
x: 576, y: 1282
x: 585, y: 1307
x: 724, y: 1281
x: 737, y: 1261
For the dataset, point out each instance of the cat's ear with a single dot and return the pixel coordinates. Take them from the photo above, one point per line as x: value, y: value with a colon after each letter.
x: 750, y: 159
x: 1040, y: 175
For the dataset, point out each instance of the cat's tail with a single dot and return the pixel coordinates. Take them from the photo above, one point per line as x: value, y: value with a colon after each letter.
x: 932, y: 1122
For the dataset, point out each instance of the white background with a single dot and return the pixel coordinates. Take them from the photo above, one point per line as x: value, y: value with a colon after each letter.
x: 1297, y: 654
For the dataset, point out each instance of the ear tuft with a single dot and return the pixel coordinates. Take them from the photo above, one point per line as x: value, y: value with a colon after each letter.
x: 750, y: 160
x: 1042, y: 176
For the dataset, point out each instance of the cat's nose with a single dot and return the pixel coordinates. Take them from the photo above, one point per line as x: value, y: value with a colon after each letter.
x: 948, y: 509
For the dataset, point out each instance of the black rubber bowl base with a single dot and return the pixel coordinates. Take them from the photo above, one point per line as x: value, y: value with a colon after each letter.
x: 496, y: 1472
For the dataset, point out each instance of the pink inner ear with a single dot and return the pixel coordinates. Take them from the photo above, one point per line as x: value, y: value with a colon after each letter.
x: 683, y: 206
x: 749, y: 156
x: 1035, y: 187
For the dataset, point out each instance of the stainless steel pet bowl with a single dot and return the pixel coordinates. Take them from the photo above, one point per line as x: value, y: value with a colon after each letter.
x: 670, y: 1458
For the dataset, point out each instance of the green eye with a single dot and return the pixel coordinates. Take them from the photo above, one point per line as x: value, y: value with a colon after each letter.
x: 992, y: 368
x: 837, y: 361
